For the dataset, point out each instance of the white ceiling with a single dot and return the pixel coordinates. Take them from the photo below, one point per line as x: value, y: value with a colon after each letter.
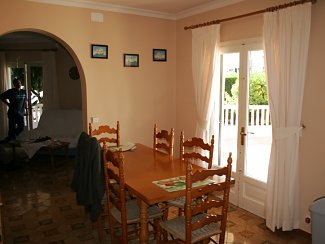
x: 168, y: 9
x: 167, y: 6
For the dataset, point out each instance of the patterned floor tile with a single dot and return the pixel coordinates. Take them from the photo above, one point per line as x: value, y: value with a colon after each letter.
x: 40, y: 207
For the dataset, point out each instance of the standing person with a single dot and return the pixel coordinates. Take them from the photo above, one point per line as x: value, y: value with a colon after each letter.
x: 15, y: 98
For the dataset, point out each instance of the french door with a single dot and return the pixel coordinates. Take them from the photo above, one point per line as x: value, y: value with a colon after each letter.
x: 31, y: 76
x: 244, y: 123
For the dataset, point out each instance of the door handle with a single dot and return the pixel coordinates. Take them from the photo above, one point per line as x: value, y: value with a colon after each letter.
x: 243, y: 134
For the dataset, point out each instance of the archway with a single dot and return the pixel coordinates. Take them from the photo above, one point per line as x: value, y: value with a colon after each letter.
x: 34, y: 47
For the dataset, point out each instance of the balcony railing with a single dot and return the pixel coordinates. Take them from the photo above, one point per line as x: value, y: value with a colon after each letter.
x: 258, y: 115
x: 37, y: 112
x: 257, y: 142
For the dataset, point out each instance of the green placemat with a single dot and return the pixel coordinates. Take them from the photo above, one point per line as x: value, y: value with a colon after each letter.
x: 178, y: 183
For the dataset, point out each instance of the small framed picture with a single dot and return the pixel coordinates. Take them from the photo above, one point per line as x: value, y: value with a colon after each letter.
x: 159, y: 55
x: 131, y: 60
x: 99, y: 51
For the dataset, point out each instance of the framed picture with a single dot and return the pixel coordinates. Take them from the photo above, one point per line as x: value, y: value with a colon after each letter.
x: 159, y: 55
x: 99, y: 51
x: 131, y: 60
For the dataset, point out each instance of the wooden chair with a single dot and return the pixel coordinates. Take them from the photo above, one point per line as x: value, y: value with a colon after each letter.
x: 120, y: 210
x: 163, y: 141
x: 204, y: 217
x: 106, y: 133
x: 192, y: 150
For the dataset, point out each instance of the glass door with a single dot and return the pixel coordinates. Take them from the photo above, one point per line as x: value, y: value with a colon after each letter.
x: 31, y: 77
x: 35, y: 90
x: 245, y: 125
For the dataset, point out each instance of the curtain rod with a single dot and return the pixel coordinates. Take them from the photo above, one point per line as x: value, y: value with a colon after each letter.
x: 270, y: 9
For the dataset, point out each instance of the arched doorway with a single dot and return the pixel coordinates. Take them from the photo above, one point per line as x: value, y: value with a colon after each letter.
x: 52, y: 73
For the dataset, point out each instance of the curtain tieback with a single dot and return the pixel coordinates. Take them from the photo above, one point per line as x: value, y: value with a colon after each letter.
x: 285, y: 132
x: 203, y: 124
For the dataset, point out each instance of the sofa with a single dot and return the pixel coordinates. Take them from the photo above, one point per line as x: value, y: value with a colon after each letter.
x: 59, y: 124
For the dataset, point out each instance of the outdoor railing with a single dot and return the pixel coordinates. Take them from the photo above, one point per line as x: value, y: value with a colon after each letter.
x: 258, y: 115
x: 37, y: 112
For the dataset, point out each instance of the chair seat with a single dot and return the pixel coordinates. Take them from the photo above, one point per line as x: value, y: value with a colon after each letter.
x: 177, y: 228
x: 177, y: 202
x: 180, y: 202
x: 128, y: 195
x: 133, y: 212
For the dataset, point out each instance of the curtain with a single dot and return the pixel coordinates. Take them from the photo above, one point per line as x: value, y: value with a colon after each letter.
x: 205, y: 48
x: 50, y: 84
x: 3, y: 87
x: 286, y: 38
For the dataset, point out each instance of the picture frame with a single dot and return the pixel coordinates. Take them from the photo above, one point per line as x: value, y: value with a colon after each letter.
x: 159, y: 55
x: 99, y: 51
x: 131, y: 60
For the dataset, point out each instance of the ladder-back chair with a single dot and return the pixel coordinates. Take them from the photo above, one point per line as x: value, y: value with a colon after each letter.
x: 120, y: 210
x: 163, y: 140
x: 106, y: 133
x: 204, y: 217
x: 194, y: 150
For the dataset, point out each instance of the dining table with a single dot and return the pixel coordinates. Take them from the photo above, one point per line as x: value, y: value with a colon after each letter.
x: 143, y: 166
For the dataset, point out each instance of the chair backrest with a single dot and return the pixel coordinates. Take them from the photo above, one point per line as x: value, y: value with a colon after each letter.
x: 195, y: 149
x: 105, y: 133
x: 163, y: 140
x: 207, y: 206
x: 114, y: 174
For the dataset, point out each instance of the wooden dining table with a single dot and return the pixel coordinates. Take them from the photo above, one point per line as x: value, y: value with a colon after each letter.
x: 144, y: 165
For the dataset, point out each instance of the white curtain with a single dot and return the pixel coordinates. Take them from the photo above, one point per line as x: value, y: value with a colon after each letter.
x: 50, y: 84
x: 286, y: 38
x: 3, y: 87
x: 205, y: 48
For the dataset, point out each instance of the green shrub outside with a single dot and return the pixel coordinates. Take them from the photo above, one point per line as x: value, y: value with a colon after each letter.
x: 257, y: 89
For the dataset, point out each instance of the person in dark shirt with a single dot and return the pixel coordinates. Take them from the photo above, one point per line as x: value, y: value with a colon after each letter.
x: 15, y: 98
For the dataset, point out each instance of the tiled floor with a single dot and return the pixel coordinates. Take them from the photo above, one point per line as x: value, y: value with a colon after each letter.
x: 40, y: 207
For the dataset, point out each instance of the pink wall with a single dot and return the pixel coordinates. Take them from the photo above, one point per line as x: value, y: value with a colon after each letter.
x: 163, y: 92
x: 70, y: 90
x: 245, y: 28
x: 137, y: 97
x: 312, y: 163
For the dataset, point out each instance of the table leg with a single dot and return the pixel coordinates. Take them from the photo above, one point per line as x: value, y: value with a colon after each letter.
x: 143, y: 222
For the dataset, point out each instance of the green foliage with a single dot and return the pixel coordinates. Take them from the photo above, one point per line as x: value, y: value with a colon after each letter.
x: 231, y: 89
x: 230, y: 80
x: 19, y: 74
x: 257, y: 89
x: 36, y: 78
x: 36, y: 74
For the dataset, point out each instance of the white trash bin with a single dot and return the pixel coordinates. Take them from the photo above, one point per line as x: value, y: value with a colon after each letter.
x: 317, y: 209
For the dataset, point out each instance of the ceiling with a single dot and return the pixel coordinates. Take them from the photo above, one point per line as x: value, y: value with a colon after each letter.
x: 166, y: 6
x: 168, y: 9
x: 24, y: 40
